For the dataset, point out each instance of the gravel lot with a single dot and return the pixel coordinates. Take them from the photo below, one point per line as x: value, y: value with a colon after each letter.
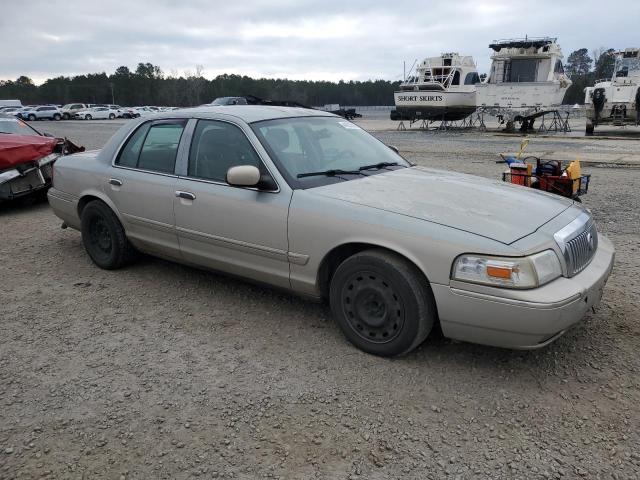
x: 164, y: 371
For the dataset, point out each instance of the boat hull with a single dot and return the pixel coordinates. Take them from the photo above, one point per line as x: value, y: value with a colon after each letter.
x: 521, y: 95
x: 435, y: 105
x: 619, y: 105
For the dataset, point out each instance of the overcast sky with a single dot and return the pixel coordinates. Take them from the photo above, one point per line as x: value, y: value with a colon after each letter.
x: 320, y: 40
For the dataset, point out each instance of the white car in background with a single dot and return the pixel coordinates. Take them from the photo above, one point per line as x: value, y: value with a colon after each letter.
x: 143, y: 111
x: 40, y: 112
x: 11, y: 110
x: 97, y: 113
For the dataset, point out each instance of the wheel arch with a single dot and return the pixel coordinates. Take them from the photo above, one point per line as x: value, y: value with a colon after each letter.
x: 91, y: 195
x: 338, y: 254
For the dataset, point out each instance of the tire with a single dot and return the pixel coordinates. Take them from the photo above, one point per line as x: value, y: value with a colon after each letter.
x: 382, y: 303
x: 112, y: 116
x: 589, y: 128
x: 57, y: 117
x: 66, y: 116
x: 104, y: 237
x: 88, y: 117
x: 31, y: 118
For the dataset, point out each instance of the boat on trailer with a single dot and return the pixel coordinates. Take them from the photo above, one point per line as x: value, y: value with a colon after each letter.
x: 526, y: 76
x: 615, y: 100
x: 441, y: 88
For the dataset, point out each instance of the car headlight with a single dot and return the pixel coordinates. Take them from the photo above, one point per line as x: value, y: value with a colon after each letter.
x: 508, y: 272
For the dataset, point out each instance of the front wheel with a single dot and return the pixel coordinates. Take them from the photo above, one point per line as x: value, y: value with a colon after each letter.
x: 57, y: 117
x: 382, y: 303
x: 31, y: 118
x: 104, y: 237
x: 88, y: 117
x: 111, y: 116
x: 66, y: 116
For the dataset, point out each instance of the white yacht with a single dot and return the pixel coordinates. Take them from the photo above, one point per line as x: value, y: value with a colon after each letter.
x: 526, y: 75
x: 615, y: 100
x: 441, y: 88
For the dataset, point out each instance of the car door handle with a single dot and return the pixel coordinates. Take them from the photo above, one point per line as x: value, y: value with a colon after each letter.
x: 187, y: 195
x: 116, y: 182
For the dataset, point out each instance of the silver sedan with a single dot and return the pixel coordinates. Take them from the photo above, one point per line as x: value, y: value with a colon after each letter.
x: 306, y: 201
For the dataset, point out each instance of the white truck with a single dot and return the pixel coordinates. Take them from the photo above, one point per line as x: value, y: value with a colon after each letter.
x: 10, y: 103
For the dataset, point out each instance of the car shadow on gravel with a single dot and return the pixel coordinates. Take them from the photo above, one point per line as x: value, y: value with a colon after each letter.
x: 437, y: 352
x: 24, y: 204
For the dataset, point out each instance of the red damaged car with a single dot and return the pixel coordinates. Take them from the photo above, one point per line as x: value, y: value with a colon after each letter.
x: 26, y: 158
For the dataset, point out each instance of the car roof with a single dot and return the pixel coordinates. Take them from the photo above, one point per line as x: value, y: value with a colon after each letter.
x: 247, y: 113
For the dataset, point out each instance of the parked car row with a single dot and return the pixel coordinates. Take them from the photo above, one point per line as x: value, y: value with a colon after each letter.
x: 80, y: 111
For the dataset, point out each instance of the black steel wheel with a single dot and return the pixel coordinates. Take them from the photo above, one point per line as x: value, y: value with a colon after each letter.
x: 382, y: 303
x: 373, y: 308
x: 104, y: 237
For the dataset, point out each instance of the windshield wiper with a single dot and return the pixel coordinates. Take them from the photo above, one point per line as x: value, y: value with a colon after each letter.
x: 330, y: 173
x: 378, y: 166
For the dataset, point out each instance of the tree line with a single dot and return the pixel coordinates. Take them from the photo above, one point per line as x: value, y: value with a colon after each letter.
x: 584, y: 70
x: 148, y: 85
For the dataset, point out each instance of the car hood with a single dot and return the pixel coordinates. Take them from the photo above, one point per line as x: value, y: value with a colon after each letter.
x: 489, y: 208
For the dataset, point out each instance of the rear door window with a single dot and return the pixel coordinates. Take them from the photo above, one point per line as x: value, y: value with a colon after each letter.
x: 153, y: 146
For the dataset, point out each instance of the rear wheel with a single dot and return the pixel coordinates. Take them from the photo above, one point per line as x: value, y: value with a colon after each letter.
x: 57, y: 116
x: 104, y: 237
x: 382, y: 303
x: 66, y: 116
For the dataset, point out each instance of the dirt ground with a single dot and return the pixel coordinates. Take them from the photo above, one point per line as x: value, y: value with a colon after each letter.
x: 164, y: 371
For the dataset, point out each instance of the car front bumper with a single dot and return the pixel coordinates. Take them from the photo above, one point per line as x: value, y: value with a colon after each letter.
x: 28, y: 179
x: 529, y: 319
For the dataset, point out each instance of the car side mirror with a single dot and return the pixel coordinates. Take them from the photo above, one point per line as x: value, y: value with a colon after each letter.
x: 394, y: 148
x: 243, y: 176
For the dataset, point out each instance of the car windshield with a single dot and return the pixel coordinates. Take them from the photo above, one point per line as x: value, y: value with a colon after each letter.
x: 313, y: 151
x: 15, y: 126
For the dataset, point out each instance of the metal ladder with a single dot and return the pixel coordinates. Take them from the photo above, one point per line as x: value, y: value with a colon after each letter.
x: 618, y: 116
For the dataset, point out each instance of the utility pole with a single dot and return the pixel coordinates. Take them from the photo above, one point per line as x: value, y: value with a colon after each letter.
x: 113, y: 98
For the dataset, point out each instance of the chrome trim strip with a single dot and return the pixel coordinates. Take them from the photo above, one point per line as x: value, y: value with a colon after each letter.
x: 153, y: 172
x: 573, y: 229
x: 519, y: 303
x: 225, y: 242
x: 225, y: 184
x: 298, y: 258
x: 145, y: 222
x: 60, y: 195
x: 578, y: 242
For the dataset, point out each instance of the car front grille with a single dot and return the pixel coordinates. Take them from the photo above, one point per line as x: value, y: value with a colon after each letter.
x: 581, y: 250
x: 578, y: 242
